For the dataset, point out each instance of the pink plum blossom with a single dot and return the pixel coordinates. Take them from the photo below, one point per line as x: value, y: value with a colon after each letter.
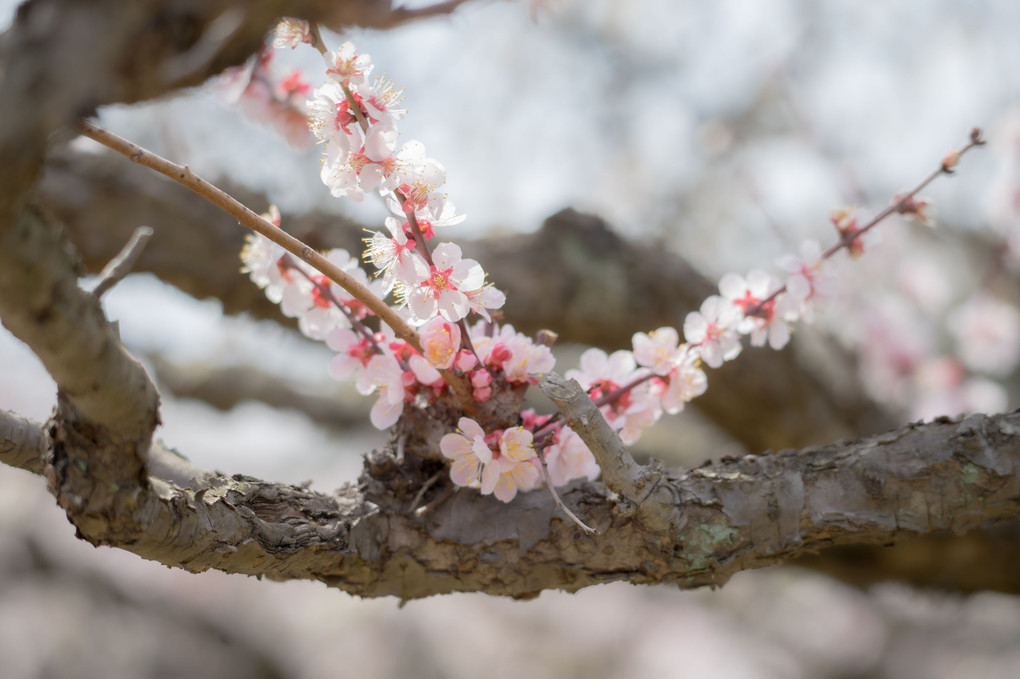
x: 440, y: 341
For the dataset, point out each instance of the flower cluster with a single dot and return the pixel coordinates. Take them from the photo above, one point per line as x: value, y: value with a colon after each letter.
x: 356, y: 118
x: 433, y: 285
x: 436, y: 289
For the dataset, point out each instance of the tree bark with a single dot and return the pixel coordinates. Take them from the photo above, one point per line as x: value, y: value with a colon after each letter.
x: 689, y: 528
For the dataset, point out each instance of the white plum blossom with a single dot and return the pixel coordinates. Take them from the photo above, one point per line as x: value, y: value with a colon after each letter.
x: 484, y: 298
x: 513, y: 468
x: 418, y: 178
x: 329, y: 116
x: 291, y: 32
x: 347, y: 66
x: 568, y: 458
x: 500, y: 463
x: 770, y: 323
x: 383, y: 375
x: 602, y: 374
x: 468, y: 450
x: 811, y: 278
x: 686, y: 381
x: 516, y: 354
x: 526, y: 360
x: 260, y: 259
x: 713, y: 329
x: 657, y: 350
x: 350, y: 173
x: 394, y: 255
x: 442, y: 287
x: 353, y: 353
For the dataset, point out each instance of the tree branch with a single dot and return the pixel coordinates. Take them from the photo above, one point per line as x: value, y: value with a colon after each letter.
x: 739, y: 514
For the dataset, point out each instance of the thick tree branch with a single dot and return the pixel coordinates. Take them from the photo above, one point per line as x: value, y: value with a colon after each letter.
x: 946, y: 476
x: 22, y: 443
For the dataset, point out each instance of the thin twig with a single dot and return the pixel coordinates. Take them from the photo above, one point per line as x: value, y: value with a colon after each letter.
x: 559, y: 503
x: 124, y: 262
x: 424, y: 488
x: 903, y: 199
x: 183, y: 175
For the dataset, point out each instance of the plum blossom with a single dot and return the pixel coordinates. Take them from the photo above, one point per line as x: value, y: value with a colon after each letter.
x: 468, y: 450
x: 916, y: 208
x: 353, y: 353
x: 291, y: 32
x: 442, y: 287
x: 568, y: 458
x: 347, y: 66
x: 418, y: 178
x: 321, y: 305
x: 383, y: 375
x: 481, y: 381
x: 330, y: 118
x: 602, y: 374
x: 440, y: 341
x: 513, y: 468
x: 350, y: 173
x: 713, y: 329
x: 515, y: 354
x: 379, y: 102
x: 685, y: 382
x: 657, y: 350
x: 500, y: 463
x: 769, y: 323
x: 260, y: 259
x: 811, y: 278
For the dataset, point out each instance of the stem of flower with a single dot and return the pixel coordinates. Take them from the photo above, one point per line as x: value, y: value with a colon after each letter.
x: 974, y: 141
x: 358, y: 326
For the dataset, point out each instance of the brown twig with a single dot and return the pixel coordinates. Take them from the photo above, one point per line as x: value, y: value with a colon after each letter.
x: 247, y: 218
x: 124, y: 262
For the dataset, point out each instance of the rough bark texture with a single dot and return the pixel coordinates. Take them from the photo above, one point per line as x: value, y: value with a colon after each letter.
x: 950, y: 476
x: 62, y: 59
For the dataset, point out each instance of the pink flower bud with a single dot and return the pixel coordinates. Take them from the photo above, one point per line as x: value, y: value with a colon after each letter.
x: 481, y: 378
x: 465, y: 361
x: 499, y: 354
